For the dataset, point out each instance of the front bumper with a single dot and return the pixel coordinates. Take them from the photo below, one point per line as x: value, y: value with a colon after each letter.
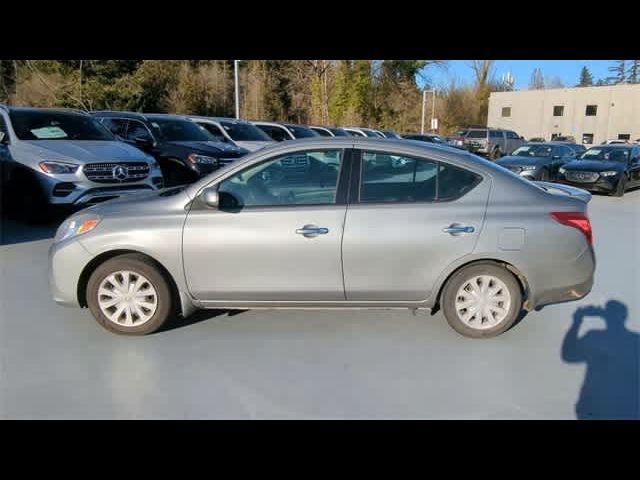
x: 67, y: 260
x: 603, y: 184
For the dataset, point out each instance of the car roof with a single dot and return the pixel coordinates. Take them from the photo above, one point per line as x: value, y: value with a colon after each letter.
x: 45, y: 109
x: 139, y: 115
x: 218, y: 119
x: 613, y: 145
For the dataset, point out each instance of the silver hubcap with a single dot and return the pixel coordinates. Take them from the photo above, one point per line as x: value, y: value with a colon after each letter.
x: 127, y: 299
x: 483, y: 302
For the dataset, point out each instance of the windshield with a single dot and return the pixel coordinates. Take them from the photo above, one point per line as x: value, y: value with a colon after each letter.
x: 607, y: 154
x: 533, y: 151
x: 460, y: 133
x: 301, y: 132
x: 371, y: 134
x: 48, y: 125
x: 477, y: 134
x: 176, y: 130
x: 245, y: 132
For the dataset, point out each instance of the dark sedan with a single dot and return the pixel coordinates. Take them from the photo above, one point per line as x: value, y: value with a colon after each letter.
x: 425, y: 137
x: 538, y: 161
x: 608, y: 169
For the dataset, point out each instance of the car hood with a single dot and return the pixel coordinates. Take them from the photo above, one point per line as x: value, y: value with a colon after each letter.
x: 84, y: 151
x: 523, y: 161
x: 593, y: 165
x: 252, y: 145
x: 141, y: 204
x: 214, y: 148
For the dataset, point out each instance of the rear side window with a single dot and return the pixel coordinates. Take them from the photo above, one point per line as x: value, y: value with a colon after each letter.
x: 277, y: 133
x: 494, y: 134
x: 322, y: 132
x: 116, y: 126
x: 388, y: 178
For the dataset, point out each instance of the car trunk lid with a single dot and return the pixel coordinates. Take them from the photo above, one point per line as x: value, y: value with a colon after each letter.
x: 564, y: 190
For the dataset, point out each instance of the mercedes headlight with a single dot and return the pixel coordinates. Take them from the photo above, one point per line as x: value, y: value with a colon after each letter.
x: 528, y: 168
x: 202, y: 159
x: 562, y: 170
x: 55, y: 167
x: 77, y: 225
x: 610, y: 173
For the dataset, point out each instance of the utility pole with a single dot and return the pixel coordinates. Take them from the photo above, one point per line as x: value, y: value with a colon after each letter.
x: 237, y: 87
x: 424, y: 104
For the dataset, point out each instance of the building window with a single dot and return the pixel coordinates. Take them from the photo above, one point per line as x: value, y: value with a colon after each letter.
x: 587, y: 138
x: 624, y: 136
x: 591, y: 111
x: 558, y: 110
x: 506, y: 111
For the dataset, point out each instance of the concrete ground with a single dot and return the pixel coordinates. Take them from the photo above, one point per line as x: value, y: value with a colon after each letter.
x: 57, y: 362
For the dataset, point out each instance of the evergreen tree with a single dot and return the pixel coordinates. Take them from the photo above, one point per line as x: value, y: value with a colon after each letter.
x: 586, y: 79
x: 633, y: 74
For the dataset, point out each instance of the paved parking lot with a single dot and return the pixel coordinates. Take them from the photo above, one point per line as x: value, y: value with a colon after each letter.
x: 58, y: 363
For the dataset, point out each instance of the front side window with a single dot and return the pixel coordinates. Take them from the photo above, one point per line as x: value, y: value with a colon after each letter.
x: 137, y: 129
x: 214, y: 130
x: 303, y: 178
x: 50, y: 125
x: 117, y: 126
x: 388, y: 178
x: 611, y: 154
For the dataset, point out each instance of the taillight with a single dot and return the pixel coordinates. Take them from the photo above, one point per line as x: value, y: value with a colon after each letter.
x: 576, y: 220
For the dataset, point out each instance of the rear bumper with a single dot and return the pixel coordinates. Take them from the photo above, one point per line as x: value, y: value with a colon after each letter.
x: 572, y: 282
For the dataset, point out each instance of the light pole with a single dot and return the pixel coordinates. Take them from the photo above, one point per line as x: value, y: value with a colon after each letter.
x: 424, y: 104
x: 237, y: 87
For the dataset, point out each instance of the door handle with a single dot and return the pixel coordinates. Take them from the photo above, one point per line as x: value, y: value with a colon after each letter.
x: 312, y: 231
x: 456, y: 229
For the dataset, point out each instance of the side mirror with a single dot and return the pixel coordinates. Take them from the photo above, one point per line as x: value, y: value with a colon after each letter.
x: 143, y: 142
x: 210, y: 197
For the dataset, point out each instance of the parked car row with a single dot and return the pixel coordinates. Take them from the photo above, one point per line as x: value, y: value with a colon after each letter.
x: 611, y: 169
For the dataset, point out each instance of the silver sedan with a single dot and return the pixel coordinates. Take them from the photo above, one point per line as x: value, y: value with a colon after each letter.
x: 334, y: 223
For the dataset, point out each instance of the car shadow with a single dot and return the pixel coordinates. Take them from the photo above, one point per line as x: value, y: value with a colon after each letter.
x: 197, y: 317
x: 611, y: 387
x: 12, y: 231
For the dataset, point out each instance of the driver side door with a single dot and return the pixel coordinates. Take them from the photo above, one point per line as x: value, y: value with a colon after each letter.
x: 276, y: 234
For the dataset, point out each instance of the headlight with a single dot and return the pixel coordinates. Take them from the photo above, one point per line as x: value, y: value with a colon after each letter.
x: 202, y: 159
x: 77, y: 225
x: 58, y: 167
x: 610, y: 173
x: 562, y: 170
x: 528, y: 168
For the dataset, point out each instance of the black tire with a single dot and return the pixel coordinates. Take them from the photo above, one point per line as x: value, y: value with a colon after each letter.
x: 620, y: 188
x: 135, y: 263
x: 457, y: 280
x: 495, y: 154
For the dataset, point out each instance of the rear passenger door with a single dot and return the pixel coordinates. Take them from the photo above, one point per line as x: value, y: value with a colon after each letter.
x: 408, y: 219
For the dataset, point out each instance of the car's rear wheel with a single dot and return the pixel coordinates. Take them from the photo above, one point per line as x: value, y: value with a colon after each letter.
x: 129, y: 295
x: 482, y: 300
x: 621, y: 187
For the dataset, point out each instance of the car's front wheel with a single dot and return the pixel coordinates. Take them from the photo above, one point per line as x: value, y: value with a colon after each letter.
x: 129, y: 295
x: 482, y: 300
x: 621, y: 187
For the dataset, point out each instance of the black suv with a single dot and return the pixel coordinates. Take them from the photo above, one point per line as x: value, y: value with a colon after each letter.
x: 184, y: 150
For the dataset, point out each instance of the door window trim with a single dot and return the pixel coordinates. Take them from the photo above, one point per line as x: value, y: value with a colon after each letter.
x: 356, y: 179
x: 342, y: 185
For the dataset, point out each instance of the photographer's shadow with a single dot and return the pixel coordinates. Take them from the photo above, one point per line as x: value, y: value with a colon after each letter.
x: 611, y: 388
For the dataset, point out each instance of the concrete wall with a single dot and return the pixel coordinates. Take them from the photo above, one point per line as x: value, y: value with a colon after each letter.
x: 532, y: 112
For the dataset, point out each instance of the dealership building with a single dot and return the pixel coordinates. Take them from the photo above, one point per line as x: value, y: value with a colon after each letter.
x: 591, y: 115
